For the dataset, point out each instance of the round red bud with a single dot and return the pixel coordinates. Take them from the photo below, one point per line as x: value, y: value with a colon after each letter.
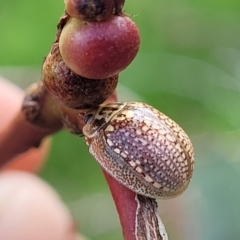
x: 99, y: 50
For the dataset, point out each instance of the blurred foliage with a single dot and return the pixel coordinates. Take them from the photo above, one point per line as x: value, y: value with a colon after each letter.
x: 188, y: 67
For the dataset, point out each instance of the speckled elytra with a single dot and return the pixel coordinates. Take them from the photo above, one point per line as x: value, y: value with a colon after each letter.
x: 141, y: 148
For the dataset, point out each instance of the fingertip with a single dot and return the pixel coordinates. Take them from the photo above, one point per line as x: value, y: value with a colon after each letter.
x: 10, y: 103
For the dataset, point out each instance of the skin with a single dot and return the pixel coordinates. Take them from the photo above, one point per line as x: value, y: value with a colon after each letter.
x: 10, y: 102
x: 17, y: 180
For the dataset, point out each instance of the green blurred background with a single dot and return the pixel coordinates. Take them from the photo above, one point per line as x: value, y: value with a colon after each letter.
x: 189, y: 68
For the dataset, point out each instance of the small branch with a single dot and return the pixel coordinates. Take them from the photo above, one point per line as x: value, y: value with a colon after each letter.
x: 42, y: 115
